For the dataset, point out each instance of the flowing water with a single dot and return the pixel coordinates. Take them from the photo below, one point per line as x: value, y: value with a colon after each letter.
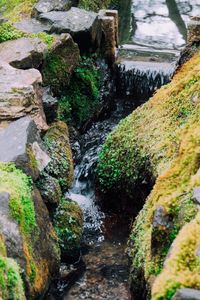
x: 152, y: 32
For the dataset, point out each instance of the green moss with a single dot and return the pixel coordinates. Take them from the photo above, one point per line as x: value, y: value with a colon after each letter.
x: 81, y: 98
x: 94, y: 5
x: 68, y: 224
x: 48, y: 39
x: 8, y: 32
x: 55, y: 72
x: 19, y: 186
x: 11, y: 285
x: 182, y: 267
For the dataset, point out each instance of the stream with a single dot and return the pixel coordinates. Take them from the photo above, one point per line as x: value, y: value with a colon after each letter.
x: 152, y: 33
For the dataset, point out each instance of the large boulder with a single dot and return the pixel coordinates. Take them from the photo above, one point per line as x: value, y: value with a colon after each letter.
x: 77, y: 22
x: 20, y: 143
x: 187, y: 294
x: 44, y: 6
x: 28, y: 234
x: 23, y: 53
x: 20, y: 95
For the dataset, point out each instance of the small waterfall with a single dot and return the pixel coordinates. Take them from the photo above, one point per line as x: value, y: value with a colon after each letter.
x: 140, y: 71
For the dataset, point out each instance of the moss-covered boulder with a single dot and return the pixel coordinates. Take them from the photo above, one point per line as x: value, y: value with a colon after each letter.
x: 161, y: 140
x: 56, y: 141
x: 28, y: 237
x: 68, y: 224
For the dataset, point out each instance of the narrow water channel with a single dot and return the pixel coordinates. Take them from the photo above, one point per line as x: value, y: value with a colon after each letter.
x: 152, y: 32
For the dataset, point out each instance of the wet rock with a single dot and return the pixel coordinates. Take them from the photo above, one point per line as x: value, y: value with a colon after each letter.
x: 77, y: 22
x: 56, y: 142
x: 23, y: 53
x: 187, y: 294
x: 44, y: 6
x: 20, y: 143
x: 196, y: 195
x: 20, y: 95
x: 68, y: 224
x: 50, y: 105
x: 60, y: 63
x: 31, y: 26
x: 50, y: 189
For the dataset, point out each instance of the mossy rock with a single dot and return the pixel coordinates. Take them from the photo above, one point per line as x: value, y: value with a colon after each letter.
x: 68, y: 224
x: 27, y: 231
x: 56, y: 141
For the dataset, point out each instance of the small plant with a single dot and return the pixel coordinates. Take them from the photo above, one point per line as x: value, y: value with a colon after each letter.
x: 8, y: 32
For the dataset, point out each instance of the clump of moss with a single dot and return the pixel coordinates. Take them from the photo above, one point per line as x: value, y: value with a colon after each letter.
x: 182, y: 267
x: 48, y: 39
x: 8, y: 32
x: 19, y: 186
x: 81, y: 98
x: 68, y: 224
x: 11, y: 285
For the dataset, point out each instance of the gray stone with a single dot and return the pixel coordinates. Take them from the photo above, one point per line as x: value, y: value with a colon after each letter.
x: 44, y: 6
x: 19, y: 143
x: 196, y: 195
x: 24, y: 53
x: 77, y: 22
x: 50, y: 105
x: 31, y: 26
x: 161, y: 219
x: 20, y: 95
x: 187, y: 294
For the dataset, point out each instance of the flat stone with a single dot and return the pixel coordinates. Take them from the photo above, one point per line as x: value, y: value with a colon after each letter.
x: 77, y: 22
x: 196, y: 195
x: 31, y: 26
x: 24, y: 53
x: 44, y: 6
x: 20, y: 143
x: 20, y: 95
x: 187, y: 294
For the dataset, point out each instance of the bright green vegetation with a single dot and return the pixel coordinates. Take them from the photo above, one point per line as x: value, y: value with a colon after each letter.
x: 81, y: 98
x: 19, y: 186
x: 68, y: 224
x: 162, y: 138
x: 15, y: 10
x: 11, y: 285
x: 8, y: 32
